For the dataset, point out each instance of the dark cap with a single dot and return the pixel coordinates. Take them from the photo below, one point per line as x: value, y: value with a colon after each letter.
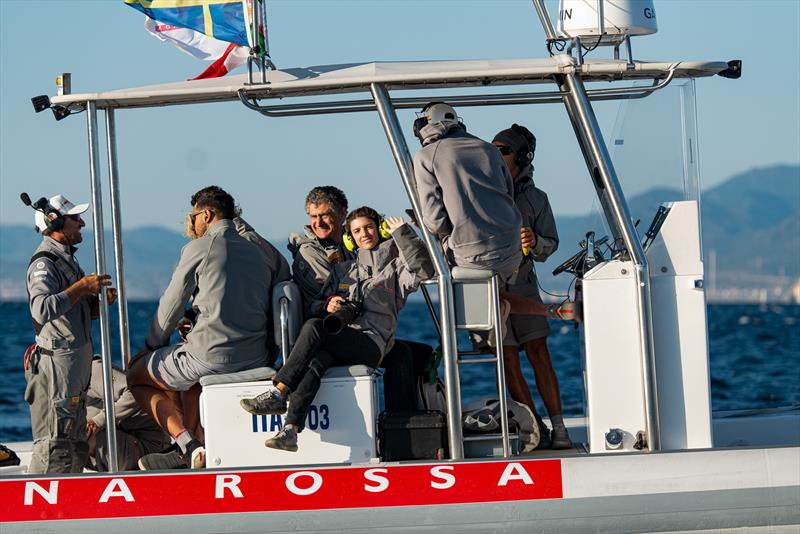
x: 519, y: 138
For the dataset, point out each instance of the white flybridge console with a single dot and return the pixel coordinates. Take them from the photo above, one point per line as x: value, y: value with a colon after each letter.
x: 613, y: 19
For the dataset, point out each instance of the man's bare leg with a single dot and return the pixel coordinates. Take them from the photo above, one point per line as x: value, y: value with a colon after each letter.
x: 515, y: 381
x: 155, y: 398
x: 547, y: 384
x: 191, y: 411
x: 546, y: 379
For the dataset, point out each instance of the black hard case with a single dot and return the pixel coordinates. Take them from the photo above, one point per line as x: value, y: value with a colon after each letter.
x: 412, y: 435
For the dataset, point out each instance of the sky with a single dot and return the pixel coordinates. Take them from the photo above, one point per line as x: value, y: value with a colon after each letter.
x: 270, y: 164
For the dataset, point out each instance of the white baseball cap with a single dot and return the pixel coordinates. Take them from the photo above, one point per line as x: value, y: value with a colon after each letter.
x: 64, y: 207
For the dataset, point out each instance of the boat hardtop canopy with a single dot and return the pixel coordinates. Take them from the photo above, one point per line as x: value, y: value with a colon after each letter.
x: 397, y: 75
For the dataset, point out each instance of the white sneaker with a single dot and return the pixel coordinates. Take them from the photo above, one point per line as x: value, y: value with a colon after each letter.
x: 198, y: 460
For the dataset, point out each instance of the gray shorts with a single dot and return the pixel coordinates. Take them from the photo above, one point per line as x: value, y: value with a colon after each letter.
x: 524, y: 328
x: 179, y: 370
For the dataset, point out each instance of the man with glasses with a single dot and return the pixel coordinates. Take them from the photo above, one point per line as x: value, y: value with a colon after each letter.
x: 230, y: 285
x: 63, y: 301
x: 529, y: 332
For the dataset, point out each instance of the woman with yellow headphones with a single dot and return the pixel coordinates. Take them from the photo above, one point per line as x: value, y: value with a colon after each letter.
x: 356, y: 313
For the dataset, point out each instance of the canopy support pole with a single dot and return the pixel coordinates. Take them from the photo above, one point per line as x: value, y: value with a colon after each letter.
x: 402, y: 157
x: 116, y: 227
x: 616, y: 210
x: 100, y: 263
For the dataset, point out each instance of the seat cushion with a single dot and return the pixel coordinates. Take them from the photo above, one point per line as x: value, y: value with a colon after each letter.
x: 248, y: 375
x: 466, y: 273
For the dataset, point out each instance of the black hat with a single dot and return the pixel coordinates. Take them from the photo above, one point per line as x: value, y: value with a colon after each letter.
x: 520, y: 140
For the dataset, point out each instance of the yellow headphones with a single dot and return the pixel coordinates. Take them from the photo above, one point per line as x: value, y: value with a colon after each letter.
x: 350, y: 243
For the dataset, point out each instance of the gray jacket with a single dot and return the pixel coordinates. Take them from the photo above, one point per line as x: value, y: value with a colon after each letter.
x: 537, y: 215
x: 127, y: 413
x: 64, y: 325
x: 312, y: 262
x: 231, y: 286
x: 467, y: 196
x: 380, y: 279
x: 277, y: 264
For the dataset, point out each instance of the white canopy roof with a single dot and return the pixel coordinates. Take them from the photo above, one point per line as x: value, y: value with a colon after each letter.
x: 357, y: 77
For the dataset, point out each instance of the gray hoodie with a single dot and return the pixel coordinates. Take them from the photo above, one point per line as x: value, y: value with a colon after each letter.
x: 537, y: 215
x: 380, y: 279
x: 232, y: 296
x: 467, y: 197
x: 312, y: 262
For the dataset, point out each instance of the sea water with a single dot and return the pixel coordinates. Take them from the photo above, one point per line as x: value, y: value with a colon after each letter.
x: 754, y: 356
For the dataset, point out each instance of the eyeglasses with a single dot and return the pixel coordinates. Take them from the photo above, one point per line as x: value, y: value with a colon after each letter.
x: 505, y: 150
x: 75, y: 218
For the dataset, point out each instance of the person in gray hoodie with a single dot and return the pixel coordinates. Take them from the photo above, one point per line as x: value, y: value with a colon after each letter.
x: 467, y: 199
x: 466, y: 194
x: 375, y: 286
x: 540, y: 239
x: 230, y: 285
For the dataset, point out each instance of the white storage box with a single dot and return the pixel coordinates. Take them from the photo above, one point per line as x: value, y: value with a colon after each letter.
x: 340, y: 427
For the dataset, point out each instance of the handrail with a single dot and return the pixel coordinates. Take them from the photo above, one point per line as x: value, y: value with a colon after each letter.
x: 284, y: 321
x: 496, y: 99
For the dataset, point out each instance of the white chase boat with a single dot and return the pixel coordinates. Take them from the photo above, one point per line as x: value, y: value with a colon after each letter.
x: 650, y: 454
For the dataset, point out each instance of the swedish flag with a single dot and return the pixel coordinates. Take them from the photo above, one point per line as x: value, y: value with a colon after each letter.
x: 220, y: 19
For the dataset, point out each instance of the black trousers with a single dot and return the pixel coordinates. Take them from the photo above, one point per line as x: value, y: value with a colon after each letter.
x: 314, y: 352
x: 404, y: 364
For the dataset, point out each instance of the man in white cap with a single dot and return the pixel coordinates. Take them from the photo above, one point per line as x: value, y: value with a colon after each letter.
x: 63, y: 301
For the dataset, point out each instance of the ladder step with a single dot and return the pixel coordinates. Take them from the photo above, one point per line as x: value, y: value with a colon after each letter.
x: 477, y: 360
x: 486, y: 437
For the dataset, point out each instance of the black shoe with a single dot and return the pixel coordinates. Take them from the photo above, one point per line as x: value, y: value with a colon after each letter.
x: 544, y: 438
x: 173, y: 458
x: 271, y: 402
x: 285, y: 440
x: 560, y: 438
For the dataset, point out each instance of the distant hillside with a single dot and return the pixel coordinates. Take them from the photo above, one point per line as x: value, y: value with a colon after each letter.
x: 751, y: 226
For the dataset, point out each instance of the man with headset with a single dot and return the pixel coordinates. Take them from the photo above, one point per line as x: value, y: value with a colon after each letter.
x: 63, y: 302
x: 529, y: 332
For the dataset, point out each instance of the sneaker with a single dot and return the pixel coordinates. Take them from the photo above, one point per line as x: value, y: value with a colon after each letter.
x: 505, y: 311
x: 569, y: 310
x: 157, y: 461
x: 285, y: 440
x: 173, y: 458
x: 560, y: 438
x: 544, y: 438
x: 271, y: 402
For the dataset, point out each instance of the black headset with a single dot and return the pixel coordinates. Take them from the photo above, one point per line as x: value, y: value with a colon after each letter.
x: 53, y: 218
x: 524, y: 157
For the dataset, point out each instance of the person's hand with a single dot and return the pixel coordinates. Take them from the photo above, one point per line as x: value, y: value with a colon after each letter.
x: 335, y: 304
x: 528, y: 238
x: 91, y: 284
x: 393, y: 223
x: 111, y: 295
x: 91, y: 428
x: 184, y: 326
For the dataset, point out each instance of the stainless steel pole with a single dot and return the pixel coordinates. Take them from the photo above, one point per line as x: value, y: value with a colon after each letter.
x: 100, y: 262
x: 605, y: 173
x: 544, y: 17
x: 447, y: 308
x: 116, y: 228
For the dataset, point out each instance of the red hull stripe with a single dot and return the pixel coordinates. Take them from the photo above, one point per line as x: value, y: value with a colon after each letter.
x: 94, y: 496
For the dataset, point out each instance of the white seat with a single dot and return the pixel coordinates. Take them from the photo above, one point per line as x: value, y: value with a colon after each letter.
x: 472, y: 296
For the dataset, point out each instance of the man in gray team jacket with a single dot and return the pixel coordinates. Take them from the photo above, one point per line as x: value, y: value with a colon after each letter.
x: 63, y: 302
x: 320, y: 248
x: 518, y: 146
x: 231, y: 286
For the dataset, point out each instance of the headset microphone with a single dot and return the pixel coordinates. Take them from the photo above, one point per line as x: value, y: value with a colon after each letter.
x: 25, y: 199
x: 53, y: 218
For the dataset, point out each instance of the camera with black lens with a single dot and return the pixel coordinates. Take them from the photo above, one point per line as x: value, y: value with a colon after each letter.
x: 335, y: 322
